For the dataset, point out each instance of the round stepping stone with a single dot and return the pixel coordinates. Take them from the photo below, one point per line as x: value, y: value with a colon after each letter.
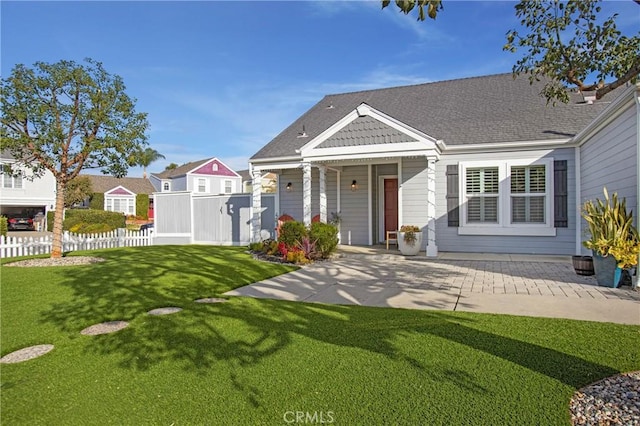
x: 104, y: 328
x: 164, y: 311
x: 211, y: 300
x: 26, y: 354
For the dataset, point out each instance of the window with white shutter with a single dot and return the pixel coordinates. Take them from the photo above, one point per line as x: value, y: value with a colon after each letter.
x: 482, y: 189
x: 528, y: 194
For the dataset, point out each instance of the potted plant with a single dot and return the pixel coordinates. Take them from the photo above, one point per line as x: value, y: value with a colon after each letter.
x: 409, y: 240
x: 614, y: 240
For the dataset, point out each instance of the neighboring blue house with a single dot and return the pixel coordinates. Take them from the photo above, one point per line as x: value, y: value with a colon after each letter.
x: 480, y: 164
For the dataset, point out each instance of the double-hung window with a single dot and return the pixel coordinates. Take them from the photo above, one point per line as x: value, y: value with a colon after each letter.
x: 202, y: 185
x: 228, y: 186
x: 8, y: 179
x: 482, y: 190
x: 506, y: 197
x: 528, y: 194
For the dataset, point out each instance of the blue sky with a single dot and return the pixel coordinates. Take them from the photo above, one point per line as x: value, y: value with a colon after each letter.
x: 221, y: 79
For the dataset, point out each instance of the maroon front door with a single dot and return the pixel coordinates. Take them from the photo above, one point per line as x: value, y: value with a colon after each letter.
x: 390, y: 205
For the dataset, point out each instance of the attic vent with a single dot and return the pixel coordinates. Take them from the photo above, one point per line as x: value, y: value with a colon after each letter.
x: 589, y: 97
x: 303, y: 134
x: 330, y: 106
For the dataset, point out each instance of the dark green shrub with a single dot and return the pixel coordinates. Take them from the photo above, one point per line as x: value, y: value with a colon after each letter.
x: 51, y: 215
x: 90, y: 228
x: 97, y: 201
x: 142, y: 206
x: 326, y: 238
x: 4, y: 226
x: 256, y: 246
x: 111, y: 220
x: 291, y: 233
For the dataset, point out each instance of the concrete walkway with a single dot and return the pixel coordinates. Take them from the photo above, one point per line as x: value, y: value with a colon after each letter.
x: 544, y: 286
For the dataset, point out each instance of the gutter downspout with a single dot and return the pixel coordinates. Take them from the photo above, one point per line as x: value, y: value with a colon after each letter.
x: 634, y: 280
x: 577, y: 162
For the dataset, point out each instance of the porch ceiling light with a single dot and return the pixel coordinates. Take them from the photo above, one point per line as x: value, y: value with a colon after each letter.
x: 354, y: 185
x: 289, y: 186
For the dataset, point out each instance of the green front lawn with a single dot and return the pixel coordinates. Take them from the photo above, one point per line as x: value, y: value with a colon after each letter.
x: 253, y: 361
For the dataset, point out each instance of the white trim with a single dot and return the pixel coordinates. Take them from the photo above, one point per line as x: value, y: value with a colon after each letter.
x: 504, y: 225
x: 271, y: 159
x: 432, y: 247
x: 400, y: 194
x: 121, y: 195
x: 370, y: 203
x: 508, y: 146
x: 279, y: 166
x: 521, y: 231
x: 363, y: 151
x: 211, y: 160
x: 609, y: 114
x: 422, y: 140
x: 367, y: 155
x: 173, y: 235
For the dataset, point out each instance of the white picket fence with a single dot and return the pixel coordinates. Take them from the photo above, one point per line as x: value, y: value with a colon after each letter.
x: 28, y: 246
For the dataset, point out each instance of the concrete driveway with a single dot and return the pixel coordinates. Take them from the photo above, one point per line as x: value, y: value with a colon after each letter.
x: 544, y: 286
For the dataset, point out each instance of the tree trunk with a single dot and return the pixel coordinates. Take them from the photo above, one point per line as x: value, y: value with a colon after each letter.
x: 56, y: 248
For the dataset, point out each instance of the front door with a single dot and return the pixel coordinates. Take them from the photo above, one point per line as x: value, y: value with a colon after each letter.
x: 390, y: 205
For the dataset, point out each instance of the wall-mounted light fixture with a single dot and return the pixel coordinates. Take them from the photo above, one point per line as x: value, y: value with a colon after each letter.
x: 289, y: 186
x: 354, y: 185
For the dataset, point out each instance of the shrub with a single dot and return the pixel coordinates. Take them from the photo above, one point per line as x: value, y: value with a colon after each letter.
x: 4, y: 226
x: 97, y: 201
x: 291, y: 233
x: 142, y: 206
x: 326, y: 238
x: 256, y: 246
x: 50, y: 218
x: 297, y: 256
x: 111, y: 220
x: 90, y: 228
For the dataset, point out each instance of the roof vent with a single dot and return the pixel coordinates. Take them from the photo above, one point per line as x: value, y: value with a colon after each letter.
x: 589, y: 97
x: 303, y: 134
x: 330, y: 106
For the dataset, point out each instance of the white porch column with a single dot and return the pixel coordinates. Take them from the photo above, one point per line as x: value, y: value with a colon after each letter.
x: 432, y: 248
x: 323, y: 194
x: 306, y: 194
x: 256, y: 206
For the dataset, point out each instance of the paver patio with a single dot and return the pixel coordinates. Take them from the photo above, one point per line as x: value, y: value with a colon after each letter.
x: 520, y: 285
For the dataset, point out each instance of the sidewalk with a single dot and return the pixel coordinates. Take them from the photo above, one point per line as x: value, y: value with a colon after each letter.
x: 543, y: 286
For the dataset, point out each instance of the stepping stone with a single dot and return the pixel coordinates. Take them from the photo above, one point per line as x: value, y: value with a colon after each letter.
x: 26, y: 354
x: 104, y: 328
x: 211, y: 300
x: 164, y: 311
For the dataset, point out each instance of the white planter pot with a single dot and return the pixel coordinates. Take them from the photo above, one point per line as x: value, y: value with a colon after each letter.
x: 409, y: 249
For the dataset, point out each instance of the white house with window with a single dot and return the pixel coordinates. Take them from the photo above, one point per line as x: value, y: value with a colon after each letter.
x: 208, y: 176
x: 21, y: 195
x: 120, y: 194
x: 480, y: 164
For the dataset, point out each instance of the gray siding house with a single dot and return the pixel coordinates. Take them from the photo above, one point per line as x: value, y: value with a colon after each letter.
x: 208, y: 176
x: 479, y: 164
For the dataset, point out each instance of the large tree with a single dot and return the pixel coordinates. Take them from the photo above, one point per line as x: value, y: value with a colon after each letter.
x: 145, y: 157
x: 78, y: 189
x: 65, y: 117
x: 566, y: 43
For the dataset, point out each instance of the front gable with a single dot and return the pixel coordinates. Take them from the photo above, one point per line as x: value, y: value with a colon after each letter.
x: 366, y: 133
x: 119, y: 190
x: 214, y: 167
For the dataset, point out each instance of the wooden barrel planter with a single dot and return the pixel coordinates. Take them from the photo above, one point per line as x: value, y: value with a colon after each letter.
x: 583, y: 265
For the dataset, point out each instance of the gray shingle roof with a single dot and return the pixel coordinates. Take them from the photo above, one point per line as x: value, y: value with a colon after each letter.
x: 181, y: 170
x: 103, y: 183
x: 489, y: 109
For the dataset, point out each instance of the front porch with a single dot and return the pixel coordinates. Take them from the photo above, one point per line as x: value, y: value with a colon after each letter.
x: 366, y: 198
